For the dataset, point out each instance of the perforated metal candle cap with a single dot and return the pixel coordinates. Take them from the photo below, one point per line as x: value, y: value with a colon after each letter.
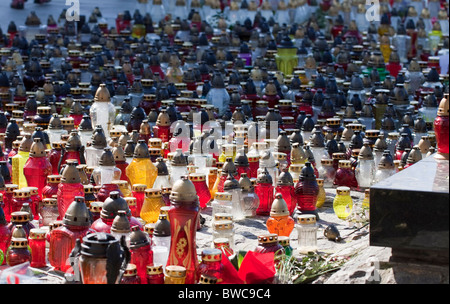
x: 37, y: 234
x: 121, y: 224
x: 113, y: 204
x: 176, y: 271
x: 414, y: 156
x: 307, y: 172
x: 138, y: 238
x: 141, y: 150
x: 184, y: 190
x: 102, y: 94
x: 285, y: 178
x: 130, y: 271
x: 70, y: 174
x: 73, y: 142
x: 230, y: 183
x: 77, y: 214
x: 268, y: 238
x: 118, y: 153
x: 162, y: 226
x: 264, y: 177
x: 179, y: 159
x: 386, y: 161
x: 306, y: 219
x: 443, y: 106
x: 207, y: 279
x: 155, y: 269
x: 152, y: 193
x: 245, y: 183
x: 107, y: 158
x: 279, y: 206
x: 365, y: 153
x: 211, y: 255
x: 99, y: 138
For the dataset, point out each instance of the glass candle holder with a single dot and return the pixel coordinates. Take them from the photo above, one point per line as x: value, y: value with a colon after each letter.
x: 184, y: 218
x: 132, y: 202
x: 345, y: 176
x: 222, y: 204
x: 18, y: 252
x: 152, y: 204
x: 155, y: 274
x: 307, y: 190
x: 321, y: 197
x: 21, y: 218
x: 75, y: 225
x: 141, y: 252
x: 286, y: 243
x: 20, y: 197
x: 138, y: 192
x: 36, y: 241
x: 130, y: 275
x: 307, y: 233
x: 366, y: 200
x: 199, y: 181
x: 224, y: 245
x: 175, y: 275
x: 342, y: 203
x: 211, y: 264
x: 51, y: 188
x: 161, y: 233
x: 49, y: 212
x: 223, y: 229
x: 327, y: 172
x: 279, y: 222
x: 264, y: 189
x: 269, y: 243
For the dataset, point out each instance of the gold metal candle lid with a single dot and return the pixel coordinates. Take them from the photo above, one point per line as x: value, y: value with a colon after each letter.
x: 222, y: 216
x: 344, y: 164
x: 154, y: 269
x: 22, y: 193
x: 96, y: 207
x: 49, y: 201
x: 320, y: 181
x: 138, y: 187
x: 268, y: 238
x: 284, y: 240
x: 11, y: 187
x: 306, y: 219
x: 296, y: 168
x: 343, y: 190
x: 197, y: 177
x: 206, y: 279
x: 37, y: 234
x: 19, y: 243
x: 53, y: 179
x: 130, y: 271
x: 223, y: 196
x: 211, y: 255
x: 131, y: 201
x: 223, y: 225
x: 33, y: 190
x: 152, y: 193
x: 20, y: 217
x: 184, y: 191
x: 176, y: 271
